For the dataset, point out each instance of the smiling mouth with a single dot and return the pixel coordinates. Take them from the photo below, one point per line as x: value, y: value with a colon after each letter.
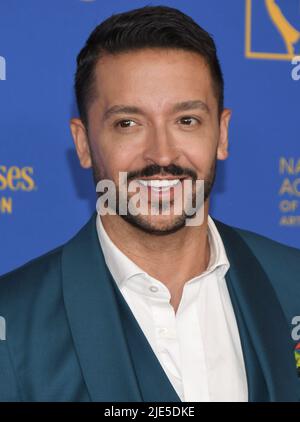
x: 161, y: 184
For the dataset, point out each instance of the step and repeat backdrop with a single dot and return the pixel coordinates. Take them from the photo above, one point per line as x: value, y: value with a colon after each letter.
x: 45, y: 196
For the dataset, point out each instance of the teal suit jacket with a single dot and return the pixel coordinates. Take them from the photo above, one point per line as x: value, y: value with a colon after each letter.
x: 70, y: 335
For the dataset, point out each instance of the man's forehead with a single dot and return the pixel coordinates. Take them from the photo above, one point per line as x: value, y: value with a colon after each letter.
x: 118, y: 88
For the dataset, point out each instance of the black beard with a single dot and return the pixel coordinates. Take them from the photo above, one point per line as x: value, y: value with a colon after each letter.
x: 179, y: 221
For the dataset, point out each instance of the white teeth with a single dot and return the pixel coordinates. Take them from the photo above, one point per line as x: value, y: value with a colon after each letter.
x: 158, y: 184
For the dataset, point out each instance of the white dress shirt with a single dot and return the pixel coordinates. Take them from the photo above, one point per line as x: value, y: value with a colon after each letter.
x: 198, y: 347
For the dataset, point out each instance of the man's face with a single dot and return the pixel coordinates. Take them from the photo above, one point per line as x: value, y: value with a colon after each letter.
x: 156, y: 118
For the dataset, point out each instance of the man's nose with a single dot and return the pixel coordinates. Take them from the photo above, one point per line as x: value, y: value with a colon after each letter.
x: 160, y: 148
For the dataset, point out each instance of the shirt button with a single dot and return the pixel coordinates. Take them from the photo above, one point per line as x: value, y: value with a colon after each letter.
x: 153, y: 289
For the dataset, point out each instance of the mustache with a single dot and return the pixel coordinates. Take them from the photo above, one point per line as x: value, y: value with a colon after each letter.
x: 156, y: 170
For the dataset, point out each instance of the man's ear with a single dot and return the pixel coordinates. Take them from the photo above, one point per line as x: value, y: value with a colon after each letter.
x: 81, y: 142
x: 222, y: 151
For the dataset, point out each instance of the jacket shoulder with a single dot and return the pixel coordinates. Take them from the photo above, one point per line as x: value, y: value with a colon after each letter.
x: 273, y: 252
x: 23, y: 283
x: 281, y: 263
x: 39, y: 278
x: 265, y: 248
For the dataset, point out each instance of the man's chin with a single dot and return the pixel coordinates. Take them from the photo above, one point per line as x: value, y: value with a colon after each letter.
x: 159, y: 225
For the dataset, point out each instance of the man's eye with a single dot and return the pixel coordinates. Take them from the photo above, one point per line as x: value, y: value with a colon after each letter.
x: 124, y: 123
x: 189, y: 121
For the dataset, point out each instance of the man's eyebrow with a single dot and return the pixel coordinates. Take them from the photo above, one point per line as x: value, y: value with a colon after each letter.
x: 191, y: 105
x: 122, y: 109
x: 130, y: 109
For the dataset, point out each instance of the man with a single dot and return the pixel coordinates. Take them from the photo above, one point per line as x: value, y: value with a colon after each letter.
x: 143, y: 306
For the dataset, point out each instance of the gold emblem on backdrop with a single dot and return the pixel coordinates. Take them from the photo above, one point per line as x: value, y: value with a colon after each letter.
x: 290, y: 35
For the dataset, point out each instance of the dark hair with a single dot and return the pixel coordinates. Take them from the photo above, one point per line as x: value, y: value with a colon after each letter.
x: 146, y: 27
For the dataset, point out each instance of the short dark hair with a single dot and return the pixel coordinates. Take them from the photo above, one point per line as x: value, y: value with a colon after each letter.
x: 145, y: 27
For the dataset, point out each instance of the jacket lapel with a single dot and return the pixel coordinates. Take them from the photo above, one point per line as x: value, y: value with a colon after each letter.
x: 154, y: 383
x: 117, y: 362
x: 264, y: 332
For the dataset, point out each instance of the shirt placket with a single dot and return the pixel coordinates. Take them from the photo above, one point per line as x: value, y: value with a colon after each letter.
x: 166, y: 338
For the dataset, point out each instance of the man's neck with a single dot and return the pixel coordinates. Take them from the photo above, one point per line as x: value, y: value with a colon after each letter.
x: 172, y: 259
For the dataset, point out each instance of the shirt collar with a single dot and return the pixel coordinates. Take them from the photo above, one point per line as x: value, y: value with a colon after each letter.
x: 123, y: 268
